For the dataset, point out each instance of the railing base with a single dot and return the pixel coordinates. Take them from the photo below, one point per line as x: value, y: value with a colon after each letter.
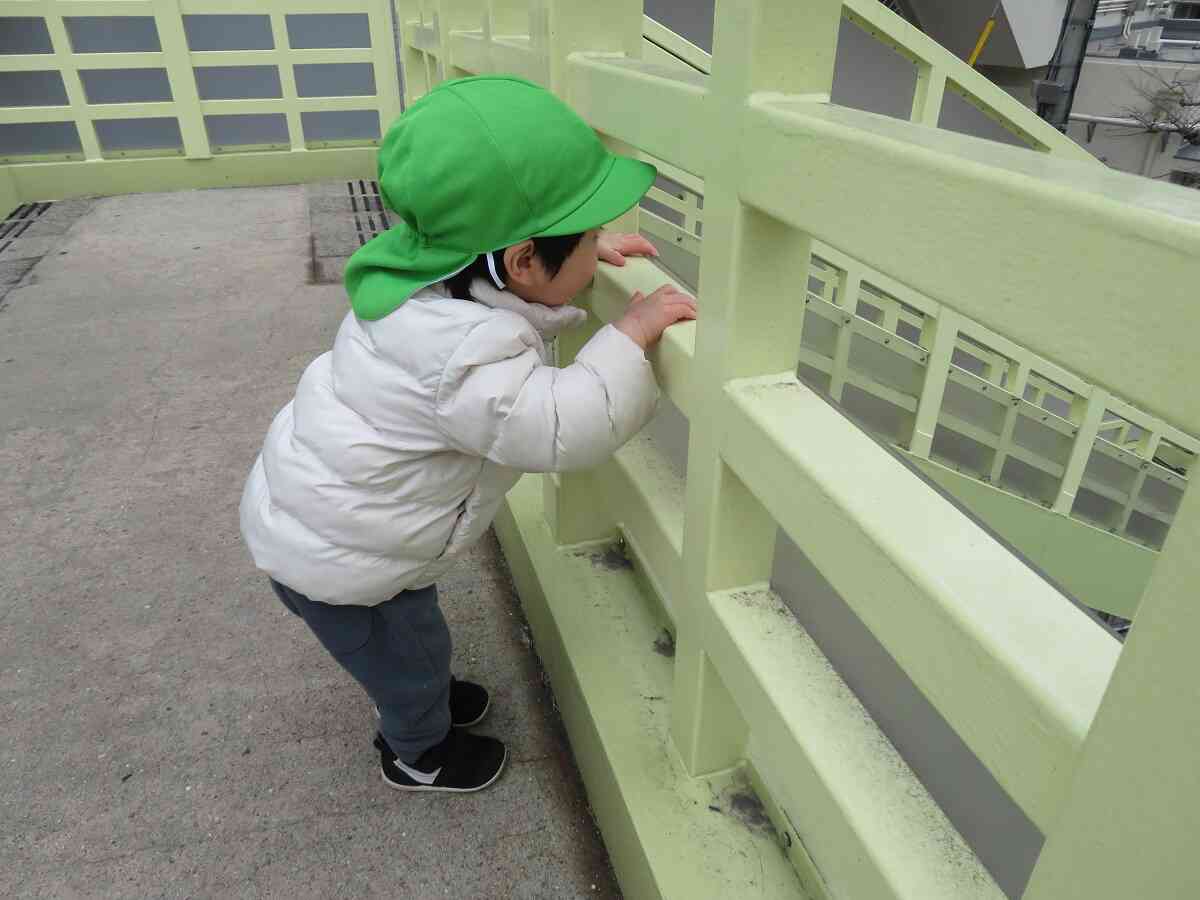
x: 668, y: 835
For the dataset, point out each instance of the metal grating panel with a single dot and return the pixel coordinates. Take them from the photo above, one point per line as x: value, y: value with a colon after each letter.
x: 370, y: 217
x: 20, y: 221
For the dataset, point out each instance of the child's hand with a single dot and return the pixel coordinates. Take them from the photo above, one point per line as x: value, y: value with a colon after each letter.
x: 648, y: 317
x: 614, y: 247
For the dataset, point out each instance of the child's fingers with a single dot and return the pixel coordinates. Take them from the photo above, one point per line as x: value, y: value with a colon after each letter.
x: 637, y: 297
x: 611, y: 256
x: 636, y: 244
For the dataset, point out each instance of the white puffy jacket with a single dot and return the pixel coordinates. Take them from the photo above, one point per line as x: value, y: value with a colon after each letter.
x: 401, y: 442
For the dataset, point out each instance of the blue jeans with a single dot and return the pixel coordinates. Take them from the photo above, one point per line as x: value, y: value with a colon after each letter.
x: 399, y: 651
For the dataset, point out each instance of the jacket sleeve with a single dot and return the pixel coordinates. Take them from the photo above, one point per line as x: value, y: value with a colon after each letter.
x: 498, y: 399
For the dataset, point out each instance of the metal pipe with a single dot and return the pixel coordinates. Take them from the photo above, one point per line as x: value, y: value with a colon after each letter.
x: 1124, y: 123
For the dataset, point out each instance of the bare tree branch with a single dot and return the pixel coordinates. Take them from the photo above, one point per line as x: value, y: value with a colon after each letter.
x: 1169, y: 102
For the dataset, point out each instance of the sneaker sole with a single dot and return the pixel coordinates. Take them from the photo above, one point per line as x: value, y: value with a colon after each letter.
x: 471, y: 724
x: 432, y: 788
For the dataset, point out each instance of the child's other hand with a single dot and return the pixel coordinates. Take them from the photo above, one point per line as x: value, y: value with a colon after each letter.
x: 648, y: 317
x: 615, y: 246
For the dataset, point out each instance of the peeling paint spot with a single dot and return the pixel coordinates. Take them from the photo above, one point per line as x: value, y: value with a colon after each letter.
x: 664, y: 645
x: 610, y: 558
x: 747, y: 807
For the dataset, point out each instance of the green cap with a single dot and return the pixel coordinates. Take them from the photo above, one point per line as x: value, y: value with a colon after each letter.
x: 476, y: 165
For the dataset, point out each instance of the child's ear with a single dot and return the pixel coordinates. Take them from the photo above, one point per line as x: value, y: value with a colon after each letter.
x: 522, y: 265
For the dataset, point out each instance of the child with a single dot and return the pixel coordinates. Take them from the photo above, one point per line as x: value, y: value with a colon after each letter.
x: 400, y: 444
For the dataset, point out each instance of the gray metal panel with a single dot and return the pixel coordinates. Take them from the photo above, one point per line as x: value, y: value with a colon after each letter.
x: 335, y: 79
x: 112, y: 34
x: 340, y: 125
x: 139, y: 134
x: 126, y: 85
x: 240, y: 130
x: 24, y: 34
x: 28, y: 138
x: 228, y: 32
x: 238, y: 82
x: 322, y: 30
x: 32, y: 89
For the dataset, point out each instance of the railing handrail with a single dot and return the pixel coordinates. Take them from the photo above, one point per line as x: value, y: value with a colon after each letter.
x: 937, y: 68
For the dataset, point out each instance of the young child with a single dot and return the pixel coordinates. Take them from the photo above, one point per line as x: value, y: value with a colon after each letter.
x: 397, y: 450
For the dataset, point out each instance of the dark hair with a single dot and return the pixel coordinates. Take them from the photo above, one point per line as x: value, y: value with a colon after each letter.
x: 552, y: 251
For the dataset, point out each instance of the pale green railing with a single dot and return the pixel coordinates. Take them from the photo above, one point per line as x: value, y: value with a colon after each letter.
x: 1053, y: 445
x: 1035, y: 431
x: 196, y: 162
x: 941, y: 223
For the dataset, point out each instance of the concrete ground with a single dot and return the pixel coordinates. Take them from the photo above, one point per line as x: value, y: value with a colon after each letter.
x: 167, y: 729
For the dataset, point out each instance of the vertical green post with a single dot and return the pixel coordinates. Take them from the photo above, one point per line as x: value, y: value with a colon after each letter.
x: 416, y: 75
x: 849, y: 283
x: 287, y: 81
x: 1130, y: 823
x: 574, y: 502
x: 928, y: 94
x: 387, y: 79
x: 752, y: 267
x: 1087, y: 413
x: 611, y: 27
x: 940, y: 337
x: 456, y: 15
x: 168, y: 19
x: 61, y: 43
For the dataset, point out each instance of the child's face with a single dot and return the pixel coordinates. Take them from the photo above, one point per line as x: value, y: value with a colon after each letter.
x: 530, y: 281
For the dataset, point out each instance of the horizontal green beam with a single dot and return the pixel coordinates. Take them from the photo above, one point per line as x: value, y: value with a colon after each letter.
x: 1019, y: 671
x: 981, y: 204
x: 603, y: 647
x: 1100, y: 569
x: 666, y: 120
x: 672, y: 356
x: 835, y: 776
x: 59, y: 181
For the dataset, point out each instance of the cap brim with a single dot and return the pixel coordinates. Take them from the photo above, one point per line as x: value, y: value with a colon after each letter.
x: 625, y: 184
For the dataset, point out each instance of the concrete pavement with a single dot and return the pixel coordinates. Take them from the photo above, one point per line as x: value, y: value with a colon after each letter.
x: 167, y: 728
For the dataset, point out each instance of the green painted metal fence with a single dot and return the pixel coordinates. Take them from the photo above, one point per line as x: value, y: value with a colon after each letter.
x: 197, y: 161
x: 1003, y: 416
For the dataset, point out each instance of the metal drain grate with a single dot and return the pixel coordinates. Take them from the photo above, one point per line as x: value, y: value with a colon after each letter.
x: 370, y: 218
x: 20, y: 221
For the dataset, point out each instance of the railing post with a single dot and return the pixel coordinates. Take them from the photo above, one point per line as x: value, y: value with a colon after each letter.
x: 168, y: 19
x: 383, y: 58
x: 287, y: 81
x: 417, y: 78
x: 614, y: 26
x: 61, y: 44
x: 1088, y: 414
x: 754, y: 273
x: 1129, y: 825
x: 1147, y: 447
x: 849, y: 283
x: 574, y: 504
x: 940, y: 339
x: 456, y: 15
x: 928, y: 95
x: 1016, y: 387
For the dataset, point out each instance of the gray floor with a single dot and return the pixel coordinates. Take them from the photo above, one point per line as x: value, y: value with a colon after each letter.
x: 166, y: 728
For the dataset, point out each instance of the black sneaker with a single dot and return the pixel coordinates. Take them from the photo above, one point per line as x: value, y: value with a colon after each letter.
x: 461, y: 763
x: 469, y: 703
